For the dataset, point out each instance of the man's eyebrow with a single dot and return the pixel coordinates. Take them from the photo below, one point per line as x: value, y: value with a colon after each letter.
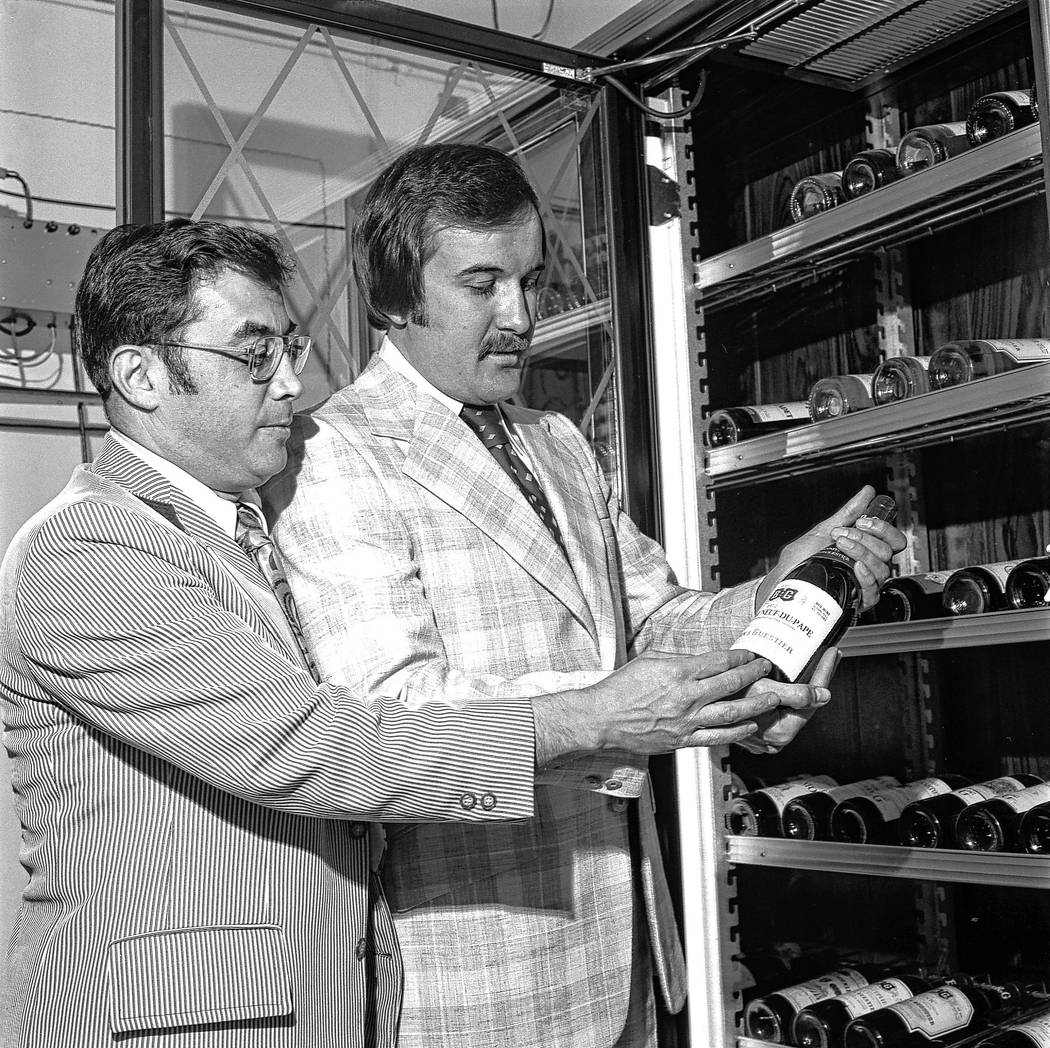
x: 491, y: 267
x: 253, y: 329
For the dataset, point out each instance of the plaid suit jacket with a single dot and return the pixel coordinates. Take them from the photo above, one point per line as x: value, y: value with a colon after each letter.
x: 188, y: 794
x: 421, y: 572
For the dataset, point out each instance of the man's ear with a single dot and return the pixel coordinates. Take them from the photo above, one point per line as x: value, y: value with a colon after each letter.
x: 135, y: 373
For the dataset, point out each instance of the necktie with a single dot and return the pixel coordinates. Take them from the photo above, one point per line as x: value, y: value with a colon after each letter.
x: 251, y: 536
x: 488, y: 425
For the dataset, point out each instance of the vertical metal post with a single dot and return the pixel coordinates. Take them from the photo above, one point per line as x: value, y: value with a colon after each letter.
x: 1039, y: 20
x: 140, y: 114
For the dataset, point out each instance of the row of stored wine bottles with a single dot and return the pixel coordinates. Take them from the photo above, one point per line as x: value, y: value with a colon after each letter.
x: 1010, y: 813
x: 971, y: 590
x: 861, y: 1007
x: 895, y: 379
x: 991, y: 116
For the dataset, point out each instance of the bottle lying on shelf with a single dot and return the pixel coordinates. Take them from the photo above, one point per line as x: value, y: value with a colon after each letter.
x: 997, y: 114
x: 969, y: 359
x: 909, y: 597
x: 899, y: 378
x: 873, y: 819
x: 810, y: 609
x: 730, y: 425
x: 823, y: 1025
x: 977, y: 589
x: 1032, y: 1032
x: 930, y: 823
x: 814, y: 194
x: 1033, y: 834
x: 924, y: 146
x: 993, y: 825
x: 868, y: 171
x: 772, y: 1017
x: 1028, y: 585
x: 838, y: 395
x: 808, y: 817
x: 758, y: 813
x: 945, y: 1015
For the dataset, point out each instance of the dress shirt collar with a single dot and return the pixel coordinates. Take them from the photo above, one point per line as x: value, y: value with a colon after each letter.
x: 393, y: 356
x: 220, y: 508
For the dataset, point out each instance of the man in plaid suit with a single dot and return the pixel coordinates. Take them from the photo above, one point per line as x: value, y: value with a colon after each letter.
x: 441, y: 542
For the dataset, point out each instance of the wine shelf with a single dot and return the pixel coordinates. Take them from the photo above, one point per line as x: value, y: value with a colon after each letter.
x: 558, y: 335
x: 978, y: 180
x: 884, y: 860
x: 971, y: 408
x: 956, y: 631
x: 24, y: 395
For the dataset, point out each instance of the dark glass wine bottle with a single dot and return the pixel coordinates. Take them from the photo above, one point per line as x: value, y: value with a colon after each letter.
x: 930, y: 823
x: 997, y: 114
x: 898, y: 378
x: 822, y: 1025
x: 945, y: 1015
x: 839, y: 395
x: 771, y: 1017
x: 1032, y: 1032
x: 1034, y: 831
x: 868, y: 171
x: 873, y: 819
x: 758, y: 813
x: 810, y: 608
x: 924, y: 146
x: 808, y: 818
x: 977, y: 589
x: 970, y: 359
x: 993, y: 825
x: 730, y: 425
x: 1028, y: 585
x: 909, y: 597
x: 814, y: 194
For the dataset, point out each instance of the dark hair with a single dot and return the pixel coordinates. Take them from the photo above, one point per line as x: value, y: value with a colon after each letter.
x: 139, y: 282
x: 423, y: 191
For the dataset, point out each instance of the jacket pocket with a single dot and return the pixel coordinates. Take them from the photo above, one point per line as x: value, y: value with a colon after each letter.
x: 192, y: 976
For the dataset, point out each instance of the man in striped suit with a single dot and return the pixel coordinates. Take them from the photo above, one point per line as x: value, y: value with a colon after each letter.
x: 189, y: 793
x: 440, y: 544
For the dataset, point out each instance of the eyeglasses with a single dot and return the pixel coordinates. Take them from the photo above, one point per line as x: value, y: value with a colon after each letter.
x: 264, y: 354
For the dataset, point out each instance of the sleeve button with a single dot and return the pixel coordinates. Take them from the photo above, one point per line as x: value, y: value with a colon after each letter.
x: 467, y: 801
x: 613, y: 784
x: 358, y: 829
x: 488, y: 801
x: 593, y: 780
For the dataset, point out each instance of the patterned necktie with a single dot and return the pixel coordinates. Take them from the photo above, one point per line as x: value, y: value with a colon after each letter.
x: 488, y: 425
x: 251, y: 536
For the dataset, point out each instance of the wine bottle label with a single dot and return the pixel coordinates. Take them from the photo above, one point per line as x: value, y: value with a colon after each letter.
x: 936, y: 1012
x: 792, y: 624
x: 1025, y: 799
x: 864, y: 788
x: 937, y: 578
x: 777, y: 412
x: 981, y: 791
x: 788, y: 791
x: 874, y: 995
x: 1022, y: 350
x: 834, y: 984
x: 1037, y: 1030
x: 892, y: 802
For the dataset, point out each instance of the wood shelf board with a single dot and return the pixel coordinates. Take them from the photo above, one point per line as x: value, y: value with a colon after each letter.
x: 883, y: 860
x: 954, y: 631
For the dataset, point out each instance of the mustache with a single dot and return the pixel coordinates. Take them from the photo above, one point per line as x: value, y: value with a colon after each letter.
x: 503, y: 342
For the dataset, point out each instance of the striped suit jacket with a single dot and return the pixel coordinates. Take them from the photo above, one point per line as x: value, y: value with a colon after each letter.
x: 420, y: 571
x: 189, y: 796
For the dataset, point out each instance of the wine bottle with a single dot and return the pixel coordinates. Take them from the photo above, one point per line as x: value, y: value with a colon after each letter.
x: 838, y: 395
x: 1033, y: 1032
x: 1028, y: 585
x: 814, y: 194
x: 872, y: 819
x: 868, y: 171
x: 993, y: 825
x: 822, y: 1025
x: 898, y: 378
x: 809, y: 609
x: 758, y: 813
x: 977, y: 589
x: 909, y: 597
x: 997, y: 114
x: 944, y: 1015
x: 930, y: 823
x: 1034, y: 831
x: 771, y: 1018
x: 808, y: 818
x: 966, y: 360
x: 924, y: 146
x: 729, y: 425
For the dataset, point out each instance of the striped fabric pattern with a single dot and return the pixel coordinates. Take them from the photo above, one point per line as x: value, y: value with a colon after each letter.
x: 421, y: 572
x: 190, y: 798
